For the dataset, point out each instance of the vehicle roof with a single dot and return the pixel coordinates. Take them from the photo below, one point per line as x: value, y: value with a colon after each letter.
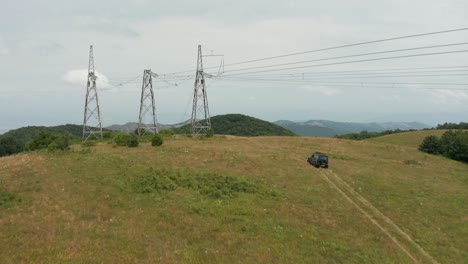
x: 320, y: 153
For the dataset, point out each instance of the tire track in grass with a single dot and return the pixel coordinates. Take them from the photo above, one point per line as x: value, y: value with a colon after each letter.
x: 384, y: 217
x: 368, y: 216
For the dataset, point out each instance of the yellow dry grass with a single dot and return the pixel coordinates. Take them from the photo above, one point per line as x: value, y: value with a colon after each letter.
x: 78, y: 206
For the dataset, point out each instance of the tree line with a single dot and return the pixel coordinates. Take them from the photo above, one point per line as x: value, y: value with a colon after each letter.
x: 453, y: 144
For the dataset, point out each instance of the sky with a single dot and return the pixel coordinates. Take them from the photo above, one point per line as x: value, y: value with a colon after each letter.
x: 44, y: 48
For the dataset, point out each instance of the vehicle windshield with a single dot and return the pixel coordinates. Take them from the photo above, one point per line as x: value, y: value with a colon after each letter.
x: 324, y: 158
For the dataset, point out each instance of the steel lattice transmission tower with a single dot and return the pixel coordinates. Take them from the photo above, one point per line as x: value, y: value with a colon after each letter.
x: 147, y: 106
x: 200, y: 112
x: 92, y: 116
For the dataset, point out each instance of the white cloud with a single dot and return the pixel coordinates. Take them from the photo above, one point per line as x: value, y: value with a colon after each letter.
x: 449, y: 96
x: 324, y: 90
x: 79, y: 77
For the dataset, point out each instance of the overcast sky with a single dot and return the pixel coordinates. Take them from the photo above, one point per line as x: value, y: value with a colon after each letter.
x: 44, y: 49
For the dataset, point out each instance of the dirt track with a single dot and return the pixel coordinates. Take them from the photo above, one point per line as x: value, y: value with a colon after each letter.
x: 366, y: 208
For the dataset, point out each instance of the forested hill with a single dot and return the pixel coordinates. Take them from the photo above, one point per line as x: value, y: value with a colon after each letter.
x: 27, y: 134
x: 241, y: 125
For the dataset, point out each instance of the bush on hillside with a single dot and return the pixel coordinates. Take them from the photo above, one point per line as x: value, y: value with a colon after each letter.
x: 61, y: 142
x: 431, y: 145
x: 207, y: 183
x: 157, y: 140
x: 120, y: 139
x: 9, y: 146
x: 42, y: 141
x: 46, y: 140
x: 166, y: 132
x: 89, y: 143
x: 210, y: 133
x: 106, y: 134
x: 452, y: 144
x: 132, y: 141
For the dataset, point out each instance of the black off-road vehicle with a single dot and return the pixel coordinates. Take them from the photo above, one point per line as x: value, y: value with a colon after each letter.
x: 318, y: 160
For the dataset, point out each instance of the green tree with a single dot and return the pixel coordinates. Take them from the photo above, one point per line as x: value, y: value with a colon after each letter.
x: 9, y: 146
x: 454, y: 145
x: 42, y: 140
x: 61, y: 142
x: 431, y: 145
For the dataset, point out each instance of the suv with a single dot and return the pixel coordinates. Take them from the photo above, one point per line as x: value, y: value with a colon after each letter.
x: 318, y: 160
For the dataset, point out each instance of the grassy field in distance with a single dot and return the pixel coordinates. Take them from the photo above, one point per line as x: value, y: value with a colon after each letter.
x: 229, y: 200
x: 407, y: 139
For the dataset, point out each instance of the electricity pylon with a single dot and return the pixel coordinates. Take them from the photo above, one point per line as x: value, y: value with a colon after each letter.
x: 200, y: 112
x: 147, y: 106
x: 92, y: 116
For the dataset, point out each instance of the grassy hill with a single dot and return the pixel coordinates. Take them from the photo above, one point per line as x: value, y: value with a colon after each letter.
x: 241, y: 125
x: 27, y: 134
x: 407, y: 139
x: 231, y: 200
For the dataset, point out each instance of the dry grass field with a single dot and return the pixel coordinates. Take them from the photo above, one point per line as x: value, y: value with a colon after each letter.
x: 235, y: 200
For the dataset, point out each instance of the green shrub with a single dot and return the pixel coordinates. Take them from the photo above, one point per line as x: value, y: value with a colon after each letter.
x: 61, y: 142
x: 207, y: 183
x: 42, y: 141
x: 120, y: 139
x: 46, y: 140
x: 454, y: 145
x: 209, y: 133
x: 107, y: 134
x: 9, y: 145
x: 166, y: 132
x: 157, y: 140
x: 132, y: 141
x: 89, y: 143
x: 431, y: 145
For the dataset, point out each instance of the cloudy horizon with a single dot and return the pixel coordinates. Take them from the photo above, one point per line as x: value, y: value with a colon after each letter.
x: 44, y: 56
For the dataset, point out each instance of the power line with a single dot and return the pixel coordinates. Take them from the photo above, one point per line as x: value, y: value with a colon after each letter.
x: 362, y: 74
x: 356, y: 61
x: 350, y: 56
x: 333, y: 48
x: 312, y: 81
x: 359, y: 84
x: 382, y: 76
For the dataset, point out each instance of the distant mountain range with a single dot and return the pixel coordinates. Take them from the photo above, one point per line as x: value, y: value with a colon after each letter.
x: 236, y: 124
x: 325, y: 128
x: 131, y: 126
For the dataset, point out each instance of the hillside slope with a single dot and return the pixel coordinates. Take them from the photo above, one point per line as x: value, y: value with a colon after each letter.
x: 27, y: 134
x: 326, y: 128
x: 231, y: 200
x: 407, y: 139
x: 241, y: 125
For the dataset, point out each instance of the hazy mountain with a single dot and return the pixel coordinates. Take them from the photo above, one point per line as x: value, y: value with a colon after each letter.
x: 131, y: 126
x: 325, y: 128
